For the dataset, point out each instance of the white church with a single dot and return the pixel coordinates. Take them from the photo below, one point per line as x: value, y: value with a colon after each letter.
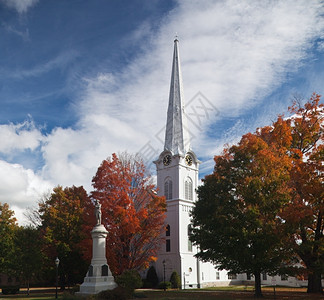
x: 177, y: 179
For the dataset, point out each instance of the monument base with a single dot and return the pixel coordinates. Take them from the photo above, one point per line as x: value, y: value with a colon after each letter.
x: 94, y: 285
x: 99, y: 277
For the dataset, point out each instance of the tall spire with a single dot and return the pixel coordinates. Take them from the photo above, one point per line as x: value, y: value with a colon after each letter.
x: 176, y: 135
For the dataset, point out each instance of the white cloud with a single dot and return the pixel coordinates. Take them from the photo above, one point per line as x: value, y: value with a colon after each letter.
x: 234, y: 52
x: 19, y: 137
x: 20, y: 5
x: 23, y: 34
x: 19, y: 186
x: 58, y: 62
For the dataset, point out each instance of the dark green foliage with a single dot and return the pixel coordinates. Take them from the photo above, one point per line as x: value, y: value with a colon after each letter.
x: 7, y: 229
x: 165, y: 285
x: 10, y: 290
x: 118, y: 293
x: 151, y: 277
x: 28, y: 255
x: 129, y: 280
x: 175, y: 280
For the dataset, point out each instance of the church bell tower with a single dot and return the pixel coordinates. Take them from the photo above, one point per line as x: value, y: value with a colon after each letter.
x: 177, y: 180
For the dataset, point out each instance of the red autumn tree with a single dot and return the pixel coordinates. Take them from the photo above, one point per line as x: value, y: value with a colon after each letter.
x: 306, y: 210
x: 131, y: 211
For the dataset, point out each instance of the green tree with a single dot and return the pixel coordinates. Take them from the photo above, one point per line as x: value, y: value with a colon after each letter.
x: 8, y: 224
x: 62, y: 216
x: 28, y: 254
x: 238, y: 208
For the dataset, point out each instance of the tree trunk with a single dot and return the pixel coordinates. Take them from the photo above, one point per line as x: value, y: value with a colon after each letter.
x: 314, y: 283
x: 257, y: 285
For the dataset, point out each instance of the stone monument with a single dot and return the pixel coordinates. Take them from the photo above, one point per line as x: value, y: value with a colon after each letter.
x: 98, y: 277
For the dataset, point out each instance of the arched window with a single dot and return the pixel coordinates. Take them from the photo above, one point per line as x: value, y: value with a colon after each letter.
x: 188, y: 189
x: 168, y: 189
x: 167, y: 231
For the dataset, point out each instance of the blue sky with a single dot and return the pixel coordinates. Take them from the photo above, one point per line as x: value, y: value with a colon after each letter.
x: 81, y: 79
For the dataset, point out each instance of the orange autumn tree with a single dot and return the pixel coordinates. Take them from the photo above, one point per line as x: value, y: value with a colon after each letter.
x: 235, y: 221
x: 304, y: 133
x: 62, y: 222
x: 131, y: 211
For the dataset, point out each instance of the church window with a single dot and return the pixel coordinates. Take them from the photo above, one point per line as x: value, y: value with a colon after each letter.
x: 264, y: 276
x: 232, y: 276
x: 188, y: 189
x: 167, y: 231
x: 168, y: 246
x: 284, y: 277
x: 217, y: 275
x: 168, y: 189
x: 189, y: 241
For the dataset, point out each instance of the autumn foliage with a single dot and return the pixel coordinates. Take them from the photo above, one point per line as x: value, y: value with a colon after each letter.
x: 306, y: 209
x: 235, y: 219
x: 131, y: 211
x: 302, y: 138
x: 62, y: 228
x: 265, y: 200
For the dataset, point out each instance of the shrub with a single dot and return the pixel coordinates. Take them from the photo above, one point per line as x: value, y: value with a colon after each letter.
x: 147, y: 284
x: 129, y: 280
x: 69, y: 296
x: 151, y: 277
x: 175, y: 280
x: 75, y: 289
x: 165, y: 285
x: 10, y: 290
x: 118, y: 293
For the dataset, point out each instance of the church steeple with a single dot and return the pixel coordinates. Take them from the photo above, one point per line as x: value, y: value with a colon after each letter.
x: 176, y: 135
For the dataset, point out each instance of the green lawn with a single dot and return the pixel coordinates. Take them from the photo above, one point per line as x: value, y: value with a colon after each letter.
x: 221, y: 293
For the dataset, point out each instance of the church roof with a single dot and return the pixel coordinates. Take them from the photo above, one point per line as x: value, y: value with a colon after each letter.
x: 177, y: 138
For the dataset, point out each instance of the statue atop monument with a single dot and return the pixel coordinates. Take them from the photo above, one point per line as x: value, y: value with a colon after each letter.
x: 99, y: 277
x: 98, y: 212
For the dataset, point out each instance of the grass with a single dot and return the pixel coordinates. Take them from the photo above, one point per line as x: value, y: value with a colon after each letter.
x: 219, y: 293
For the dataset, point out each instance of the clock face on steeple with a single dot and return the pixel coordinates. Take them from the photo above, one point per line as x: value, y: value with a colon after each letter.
x: 188, y: 160
x: 167, y: 159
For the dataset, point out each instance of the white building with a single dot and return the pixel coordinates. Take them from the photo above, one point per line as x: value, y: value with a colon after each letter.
x: 177, y: 180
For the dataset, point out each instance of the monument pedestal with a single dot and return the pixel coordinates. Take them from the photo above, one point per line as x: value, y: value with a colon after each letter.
x: 99, y: 277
